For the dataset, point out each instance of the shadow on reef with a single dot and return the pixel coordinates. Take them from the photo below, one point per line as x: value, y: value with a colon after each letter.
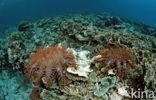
x: 86, y: 35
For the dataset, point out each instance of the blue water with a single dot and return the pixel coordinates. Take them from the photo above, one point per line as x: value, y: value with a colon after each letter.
x: 14, y: 11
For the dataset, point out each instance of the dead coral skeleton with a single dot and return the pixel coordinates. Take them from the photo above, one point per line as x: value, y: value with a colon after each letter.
x: 83, y: 64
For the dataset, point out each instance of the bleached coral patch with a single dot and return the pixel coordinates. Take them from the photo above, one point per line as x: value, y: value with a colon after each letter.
x: 83, y: 63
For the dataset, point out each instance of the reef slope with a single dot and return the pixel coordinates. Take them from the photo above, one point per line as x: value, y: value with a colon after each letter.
x: 93, y: 33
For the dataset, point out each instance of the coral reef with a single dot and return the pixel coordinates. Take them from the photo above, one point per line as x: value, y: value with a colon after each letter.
x: 47, y: 63
x: 87, y: 34
x: 150, y: 77
x: 16, y: 49
x: 13, y: 86
x: 78, y: 29
x: 120, y: 59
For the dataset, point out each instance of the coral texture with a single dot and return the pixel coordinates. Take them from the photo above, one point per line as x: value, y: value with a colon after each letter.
x: 83, y: 64
x: 119, y: 59
x: 85, y: 31
x: 47, y: 63
x: 104, y: 85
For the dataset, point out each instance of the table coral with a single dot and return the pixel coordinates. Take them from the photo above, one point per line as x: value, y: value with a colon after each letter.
x: 118, y: 58
x: 47, y: 63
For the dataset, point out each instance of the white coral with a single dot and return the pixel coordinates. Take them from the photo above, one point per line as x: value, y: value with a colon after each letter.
x: 83, y: 63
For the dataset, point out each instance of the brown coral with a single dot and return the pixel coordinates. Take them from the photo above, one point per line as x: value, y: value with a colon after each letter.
x: 120, y: 59
x: 49, y: 63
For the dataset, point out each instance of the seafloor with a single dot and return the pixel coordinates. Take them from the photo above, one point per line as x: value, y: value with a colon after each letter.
x: 81, y: 32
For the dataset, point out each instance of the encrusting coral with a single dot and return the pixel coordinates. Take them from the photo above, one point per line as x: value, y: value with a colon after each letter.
x: 117, y: 58
x: 47, y: 63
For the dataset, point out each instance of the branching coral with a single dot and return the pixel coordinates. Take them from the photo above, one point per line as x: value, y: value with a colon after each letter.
x: 120, y: 59
x: 47, y: 63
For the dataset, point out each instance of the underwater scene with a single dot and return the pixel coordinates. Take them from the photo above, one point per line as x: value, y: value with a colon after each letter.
x: 77, y: 50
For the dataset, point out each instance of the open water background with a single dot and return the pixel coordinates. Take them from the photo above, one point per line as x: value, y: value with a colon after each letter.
x: 14, y: 11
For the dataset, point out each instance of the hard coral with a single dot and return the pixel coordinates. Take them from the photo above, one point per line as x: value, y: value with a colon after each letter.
x: 47, y: 63
x: 120, y: 59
